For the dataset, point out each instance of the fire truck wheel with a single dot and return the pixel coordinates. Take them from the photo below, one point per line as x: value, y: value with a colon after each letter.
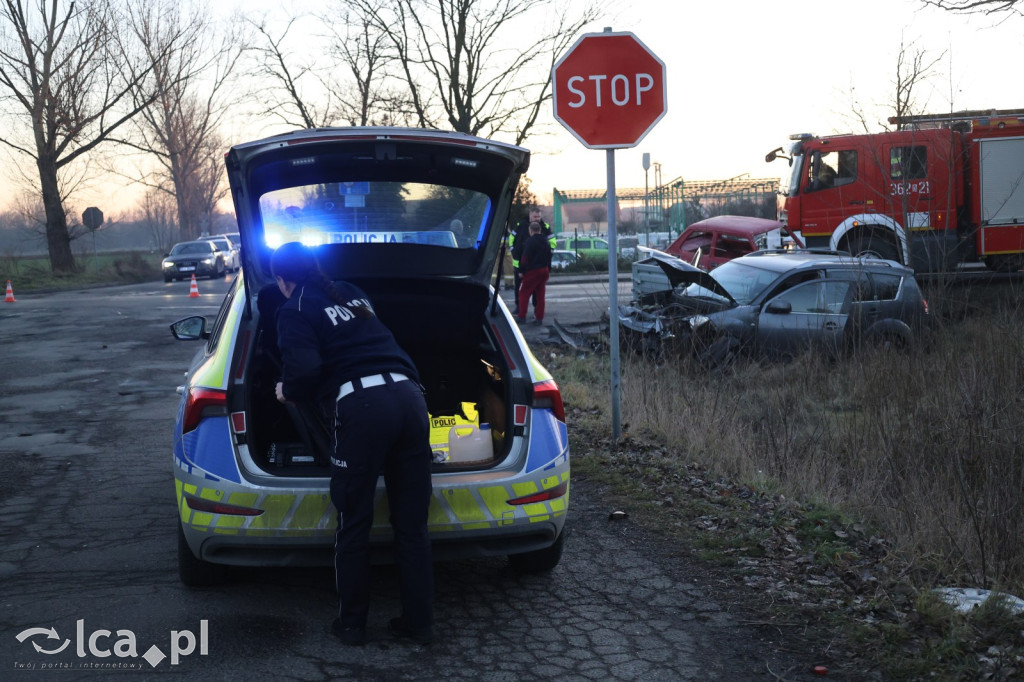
x: 873, y: 246
x: 1008, y: 263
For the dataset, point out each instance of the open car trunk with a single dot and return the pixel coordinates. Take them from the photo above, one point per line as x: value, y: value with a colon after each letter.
x: 446, y: 329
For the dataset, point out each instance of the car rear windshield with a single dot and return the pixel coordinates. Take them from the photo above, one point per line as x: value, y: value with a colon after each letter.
x: 375, y: 213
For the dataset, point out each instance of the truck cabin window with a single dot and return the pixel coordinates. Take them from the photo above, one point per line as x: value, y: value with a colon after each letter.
x: 908, y: 163
x: 831, y: 169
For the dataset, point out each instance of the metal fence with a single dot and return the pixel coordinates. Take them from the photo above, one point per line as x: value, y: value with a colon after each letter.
x: 668, y: 207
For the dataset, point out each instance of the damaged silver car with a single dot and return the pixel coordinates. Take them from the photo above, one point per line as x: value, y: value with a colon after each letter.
x: 773, y: 304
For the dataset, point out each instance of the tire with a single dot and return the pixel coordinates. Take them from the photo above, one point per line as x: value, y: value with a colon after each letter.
x: 167, y: 280
x: 890, y: 336
x: 713, y: 353
x: 539, y: 561
x: 874, y: 246
x: 195, y: 572
x: 891, y: 343
x: 1005, y: 263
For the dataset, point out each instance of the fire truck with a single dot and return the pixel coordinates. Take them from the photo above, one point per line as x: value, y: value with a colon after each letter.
x: 938, y: 191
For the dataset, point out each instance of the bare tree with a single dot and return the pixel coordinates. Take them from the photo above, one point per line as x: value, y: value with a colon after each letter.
x: 69, y: 84
x: 975, y: 6
x: 180, y: 128
x: 914, y: 67
x: 157, y: 214
x: 345, y: 82
x: 361, y: 50
x: 524, y: 199
x: 305, y: 96
x: 480, y: 66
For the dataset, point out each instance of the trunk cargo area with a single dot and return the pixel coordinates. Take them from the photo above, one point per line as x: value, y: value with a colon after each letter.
x: 444, y: 328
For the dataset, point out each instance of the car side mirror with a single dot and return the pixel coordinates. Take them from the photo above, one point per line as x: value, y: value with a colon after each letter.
x: 190, y: 329
x: 779, y: 308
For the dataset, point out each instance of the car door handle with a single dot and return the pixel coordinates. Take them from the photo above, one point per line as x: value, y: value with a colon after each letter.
x: 856, y: 203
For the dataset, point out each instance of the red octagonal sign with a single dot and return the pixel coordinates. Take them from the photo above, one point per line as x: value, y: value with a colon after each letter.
x: 609, y: 90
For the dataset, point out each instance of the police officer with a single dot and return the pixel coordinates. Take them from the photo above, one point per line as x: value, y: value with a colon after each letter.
x: 516, y: 242
x: 333, y: 346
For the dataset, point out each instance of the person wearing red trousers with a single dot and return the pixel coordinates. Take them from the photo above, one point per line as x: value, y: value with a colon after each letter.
x: 535, y: 265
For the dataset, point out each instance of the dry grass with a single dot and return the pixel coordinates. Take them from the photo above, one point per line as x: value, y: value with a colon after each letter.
x: 32, y: 273
x: 924, y: 446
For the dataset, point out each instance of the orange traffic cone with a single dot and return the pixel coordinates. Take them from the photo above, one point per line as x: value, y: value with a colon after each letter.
x: 10, y: 293
x: 194, y: 291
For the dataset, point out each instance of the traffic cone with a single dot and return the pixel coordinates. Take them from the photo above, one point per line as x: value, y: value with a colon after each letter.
x: 10, y: 293
x: 193, y: 292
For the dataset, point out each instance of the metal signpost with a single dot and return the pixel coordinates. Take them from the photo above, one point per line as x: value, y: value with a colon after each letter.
x: 92, y: 218
x: 609, y: 91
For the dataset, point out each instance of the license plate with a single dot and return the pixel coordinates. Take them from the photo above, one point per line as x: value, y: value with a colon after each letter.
x: 187, y: 268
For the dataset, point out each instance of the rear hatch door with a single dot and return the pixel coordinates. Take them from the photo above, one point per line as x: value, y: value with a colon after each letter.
x: 376, y: 202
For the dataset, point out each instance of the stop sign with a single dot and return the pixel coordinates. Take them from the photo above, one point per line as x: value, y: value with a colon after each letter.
x: 92, y: 218
x: 609, y: 90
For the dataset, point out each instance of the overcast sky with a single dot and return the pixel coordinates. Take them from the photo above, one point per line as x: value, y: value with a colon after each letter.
x: 744, y: 74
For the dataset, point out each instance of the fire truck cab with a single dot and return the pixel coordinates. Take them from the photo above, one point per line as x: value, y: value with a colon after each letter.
x: 939, y: 191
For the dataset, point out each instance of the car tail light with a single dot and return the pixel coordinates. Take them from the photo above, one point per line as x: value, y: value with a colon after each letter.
x: 546, y: 394
x: 214, y: 507
x: 549, y: 494
x: 924, y: 302
x: 238, y: 422
x: 203, y: 402
x: 520, y: 413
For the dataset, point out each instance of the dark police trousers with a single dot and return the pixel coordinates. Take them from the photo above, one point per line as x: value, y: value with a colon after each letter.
x: 383, y: 429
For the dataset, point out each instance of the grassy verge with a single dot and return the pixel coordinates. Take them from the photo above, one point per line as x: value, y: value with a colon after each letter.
x: 845, y: 490
x: 32, y: 273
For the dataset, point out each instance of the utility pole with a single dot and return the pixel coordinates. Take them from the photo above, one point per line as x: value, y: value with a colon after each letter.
x: 657, y: 185
x: 647, y: 215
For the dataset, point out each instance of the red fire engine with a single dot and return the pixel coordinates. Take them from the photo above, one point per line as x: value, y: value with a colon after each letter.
x: 941, y: 190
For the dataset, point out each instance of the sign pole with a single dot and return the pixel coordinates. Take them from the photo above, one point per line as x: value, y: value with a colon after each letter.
x: 609, y: 91
x: 613, y: 297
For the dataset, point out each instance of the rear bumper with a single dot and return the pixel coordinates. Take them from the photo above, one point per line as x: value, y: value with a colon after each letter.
x: 285, y: 552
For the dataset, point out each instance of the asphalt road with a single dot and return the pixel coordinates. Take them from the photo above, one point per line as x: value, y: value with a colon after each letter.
x: 88, y: 558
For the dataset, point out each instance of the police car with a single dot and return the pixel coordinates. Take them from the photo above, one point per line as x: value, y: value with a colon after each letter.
x: 377, y: 204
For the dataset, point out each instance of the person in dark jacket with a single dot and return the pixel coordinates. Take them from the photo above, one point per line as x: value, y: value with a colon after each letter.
x: 517, y: 241
x: 333, y: 346
x: 536, y: 267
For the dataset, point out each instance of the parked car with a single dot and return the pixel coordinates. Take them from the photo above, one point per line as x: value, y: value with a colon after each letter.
x: 719, y: 239
x: 228, y: 249
x: 251, y: 474
x: 236, y: 239
x: 777, y: 304
x: 584, y: 247
x: 627, y: 246
x: 561, y: 259
x: 201, y: 258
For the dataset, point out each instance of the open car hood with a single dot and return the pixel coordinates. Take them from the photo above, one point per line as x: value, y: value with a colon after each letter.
x: 376, y: 202
x: 679, y: 272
